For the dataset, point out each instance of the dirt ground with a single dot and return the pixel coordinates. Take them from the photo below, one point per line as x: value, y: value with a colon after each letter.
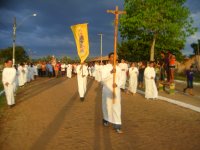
x: 50, y: 116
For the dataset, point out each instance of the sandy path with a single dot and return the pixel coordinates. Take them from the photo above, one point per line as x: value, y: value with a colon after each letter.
x: 50, y: 116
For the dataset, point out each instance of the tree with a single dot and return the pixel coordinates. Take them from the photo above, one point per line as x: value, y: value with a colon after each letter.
x: 157, y: 24
x: 196, y: 47
x: 66, y: 59
x: 130, y: 51
x: 46, y: 58
x: 20, y: 54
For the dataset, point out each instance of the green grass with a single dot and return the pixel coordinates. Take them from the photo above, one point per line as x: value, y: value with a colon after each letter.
x: 1, y: 85
x: 2, y: 97
x: 2, y: 104
x: 182, y: 77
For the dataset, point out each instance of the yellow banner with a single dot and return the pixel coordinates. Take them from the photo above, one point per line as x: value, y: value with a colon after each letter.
x: 80, y: 32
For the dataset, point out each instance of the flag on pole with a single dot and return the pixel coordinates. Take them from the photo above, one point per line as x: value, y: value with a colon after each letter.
x: 80, y: 32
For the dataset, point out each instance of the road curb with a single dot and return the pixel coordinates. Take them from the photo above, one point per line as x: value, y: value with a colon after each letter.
x: 182, y: 104
x: 180, y: 81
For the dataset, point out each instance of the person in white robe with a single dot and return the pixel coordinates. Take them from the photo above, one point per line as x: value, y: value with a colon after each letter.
x: 92, y: 71
x: 74, y: 69
x: 69, y: 71
x: 35, y: 70
x: 150, y: 85
x: 124, y: 68
x: 97, y: 71
x: 100, y: 71
x: 82, y: 73
x: 63, y: 69
x: 31, y: 72
x: 111, y: 107
x: 26, y: 74
x: 21, y: 74
x: 133, y: 78
x: 89, y: 70
x: 16, y: 83
x: 8, y: 79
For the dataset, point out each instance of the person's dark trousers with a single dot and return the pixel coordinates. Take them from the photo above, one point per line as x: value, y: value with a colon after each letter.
x: 40, y: 72
x: 54, y: 73
x: 50, y: 74
x: 43, y: 73
x: 189, y: 85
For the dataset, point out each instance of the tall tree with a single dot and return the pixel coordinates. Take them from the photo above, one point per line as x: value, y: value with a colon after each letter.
x: 20, y: 54
x: 158, y: 24
x: 196, y: 47
x: 66, y: 59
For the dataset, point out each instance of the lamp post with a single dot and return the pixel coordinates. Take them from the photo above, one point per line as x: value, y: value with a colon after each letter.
x: 101, y: 45
x: 14, y: 33
x: 14, y: 38
x: 197, y: 54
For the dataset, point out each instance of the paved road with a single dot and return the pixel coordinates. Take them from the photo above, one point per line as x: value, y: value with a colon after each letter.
x: 50, y: 116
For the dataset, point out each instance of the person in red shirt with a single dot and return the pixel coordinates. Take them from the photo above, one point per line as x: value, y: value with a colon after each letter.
x: 172, y: 61
x: 56, y: 69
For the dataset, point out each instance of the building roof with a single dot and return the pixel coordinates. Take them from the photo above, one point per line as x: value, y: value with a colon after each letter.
x: 104, y: 58
x: 98, y: 58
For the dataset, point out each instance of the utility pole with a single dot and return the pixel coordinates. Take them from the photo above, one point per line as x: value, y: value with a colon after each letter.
x: 14, y: 39
x: 116, y: 12
x: 14, y: 33
x: 101, y: 45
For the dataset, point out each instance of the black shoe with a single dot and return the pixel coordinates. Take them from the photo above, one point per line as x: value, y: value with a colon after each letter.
x: 82, y: 99
x: 105, y: 123
x: 11, y: 106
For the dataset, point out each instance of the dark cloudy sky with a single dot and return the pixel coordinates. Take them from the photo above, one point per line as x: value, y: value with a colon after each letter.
x: 49, y: 32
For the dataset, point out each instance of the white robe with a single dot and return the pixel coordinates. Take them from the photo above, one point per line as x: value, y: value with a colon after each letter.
x: 29, y: 74
x: 100, y: 73
x: 82, y: 81
x: 150, y: 85
x: 124, y: 69
x: 9, y: 76
x: 69, y: 70
x: 111, y: 112
x: 97, y: 75
x: 26, y: 74
x: 16, y: 83
x: 133, y: 79
x: 63, y: 67
x: 89, y: 71
x: 21, y: 74
x: 74, y: 68
x: 35, y: 70
x: 32, y: 72
x: 92, y: 71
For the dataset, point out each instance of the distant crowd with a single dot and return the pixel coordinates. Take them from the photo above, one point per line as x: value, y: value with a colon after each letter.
x: 133, y: 75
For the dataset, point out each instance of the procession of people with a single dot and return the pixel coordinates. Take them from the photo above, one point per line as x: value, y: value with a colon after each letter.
x: 129, y: 76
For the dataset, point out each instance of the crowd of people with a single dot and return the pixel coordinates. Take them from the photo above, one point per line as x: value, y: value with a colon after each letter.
x: 128, y: 77
x: 17, y: 76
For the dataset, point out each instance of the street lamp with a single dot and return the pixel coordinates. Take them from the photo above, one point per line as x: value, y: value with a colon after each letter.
x: 101, y: 45
x: 14, y: 33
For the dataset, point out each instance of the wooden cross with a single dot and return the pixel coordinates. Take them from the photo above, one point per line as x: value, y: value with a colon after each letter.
x: 116, y: 12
